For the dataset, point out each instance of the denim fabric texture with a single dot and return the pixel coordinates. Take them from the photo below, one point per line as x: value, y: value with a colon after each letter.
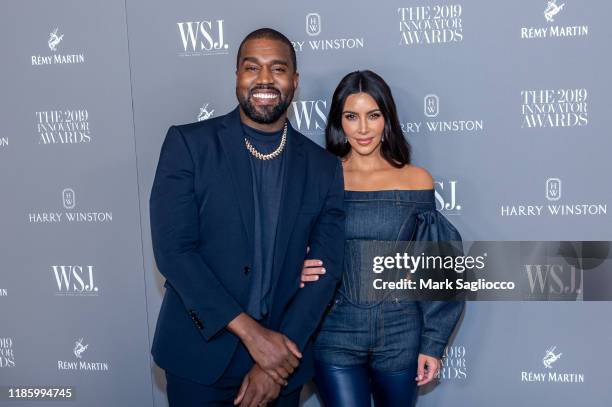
x: 386, y: 335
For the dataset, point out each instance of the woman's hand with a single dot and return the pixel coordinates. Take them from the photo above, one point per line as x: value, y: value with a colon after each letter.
x: 428, y: 367
x: 312, y: 270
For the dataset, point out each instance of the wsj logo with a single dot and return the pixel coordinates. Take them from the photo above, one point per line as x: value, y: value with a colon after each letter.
x: 313, y: 24
x: 4, y: 141
x: 310, y: 116
x: 7, y: 356
x: 554, y: 281
x: 446, y: 197
x: 432, y: 105
x: 205, y: 113
x: 75, y: 280
x: 54, y: 40
x: 202, y: 38
x: 552, y: 9
x: 553, y: 189
x: 3, y: 292
x: 453, y: 364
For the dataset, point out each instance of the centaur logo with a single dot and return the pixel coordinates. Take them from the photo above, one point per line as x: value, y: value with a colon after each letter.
x: 84, y: 365
x: 75, y: 280
x: 550, y: 375
x: 550, y: 357
x: 79, y: 348
x: 205, y: 113
x: 202, y: 38
x: 54, y: 40
x: 552, y: 9
x: 310, y: 116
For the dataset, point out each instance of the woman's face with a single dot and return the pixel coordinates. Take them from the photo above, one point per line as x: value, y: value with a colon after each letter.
x: 363, y: 123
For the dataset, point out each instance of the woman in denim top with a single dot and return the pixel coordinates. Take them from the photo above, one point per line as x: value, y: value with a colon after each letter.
x: 367, y: 345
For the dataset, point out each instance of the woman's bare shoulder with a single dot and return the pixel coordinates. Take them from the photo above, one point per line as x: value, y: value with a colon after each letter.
x: 413, y: 177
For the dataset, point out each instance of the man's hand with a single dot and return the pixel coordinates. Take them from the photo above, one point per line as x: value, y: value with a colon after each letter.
x: 427, y: 369
x: 257, y: 389
x: 272, y: 351
x: 311, y: 271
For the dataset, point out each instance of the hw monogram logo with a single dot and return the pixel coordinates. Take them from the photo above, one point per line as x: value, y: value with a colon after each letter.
x: 68, y: 198
x: 313, y: 24
x: 431, y: 105
x: 553, y: 189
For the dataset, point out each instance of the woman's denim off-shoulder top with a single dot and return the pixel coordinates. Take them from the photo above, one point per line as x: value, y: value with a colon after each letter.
x: 396, y: 216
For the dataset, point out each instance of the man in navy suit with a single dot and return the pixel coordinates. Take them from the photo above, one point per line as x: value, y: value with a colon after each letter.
x: 235, y: 204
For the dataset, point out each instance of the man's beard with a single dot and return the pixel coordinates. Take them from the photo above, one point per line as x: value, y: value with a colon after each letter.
x: 265, y: 114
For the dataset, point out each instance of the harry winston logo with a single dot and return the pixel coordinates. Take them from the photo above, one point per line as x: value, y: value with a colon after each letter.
x: 553, y: 189
x: 313, y: 24
x: 552, y: 9
x: 550, y: 357
x: 54, y: 40
x: 431, y: 105
x: 68, y: 198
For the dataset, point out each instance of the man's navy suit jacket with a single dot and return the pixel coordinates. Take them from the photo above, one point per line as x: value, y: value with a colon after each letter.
x: 201, y: 209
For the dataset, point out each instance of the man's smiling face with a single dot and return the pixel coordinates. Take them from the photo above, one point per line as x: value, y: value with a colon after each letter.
x: 265, y: 80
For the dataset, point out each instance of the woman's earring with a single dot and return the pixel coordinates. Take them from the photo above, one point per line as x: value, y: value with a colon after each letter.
x: 345, y: 140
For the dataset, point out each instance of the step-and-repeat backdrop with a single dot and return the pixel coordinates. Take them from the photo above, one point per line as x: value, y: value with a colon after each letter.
x: 507, y: 103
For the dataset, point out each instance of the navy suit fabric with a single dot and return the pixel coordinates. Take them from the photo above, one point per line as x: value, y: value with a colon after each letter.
x: 201, y: 209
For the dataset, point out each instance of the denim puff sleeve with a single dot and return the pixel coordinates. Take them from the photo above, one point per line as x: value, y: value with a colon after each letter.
x: 439, y: 317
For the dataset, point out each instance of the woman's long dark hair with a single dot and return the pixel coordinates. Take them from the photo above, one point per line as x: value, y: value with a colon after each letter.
x: 394, y: 147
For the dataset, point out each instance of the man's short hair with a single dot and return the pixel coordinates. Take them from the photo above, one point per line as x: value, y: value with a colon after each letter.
x: 269, y: 34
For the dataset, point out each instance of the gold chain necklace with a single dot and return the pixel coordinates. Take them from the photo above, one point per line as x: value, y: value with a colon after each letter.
x: 271, y: 155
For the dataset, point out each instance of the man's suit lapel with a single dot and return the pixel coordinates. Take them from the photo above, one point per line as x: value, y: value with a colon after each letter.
x: 293, y: 189
x: 232, y: 141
